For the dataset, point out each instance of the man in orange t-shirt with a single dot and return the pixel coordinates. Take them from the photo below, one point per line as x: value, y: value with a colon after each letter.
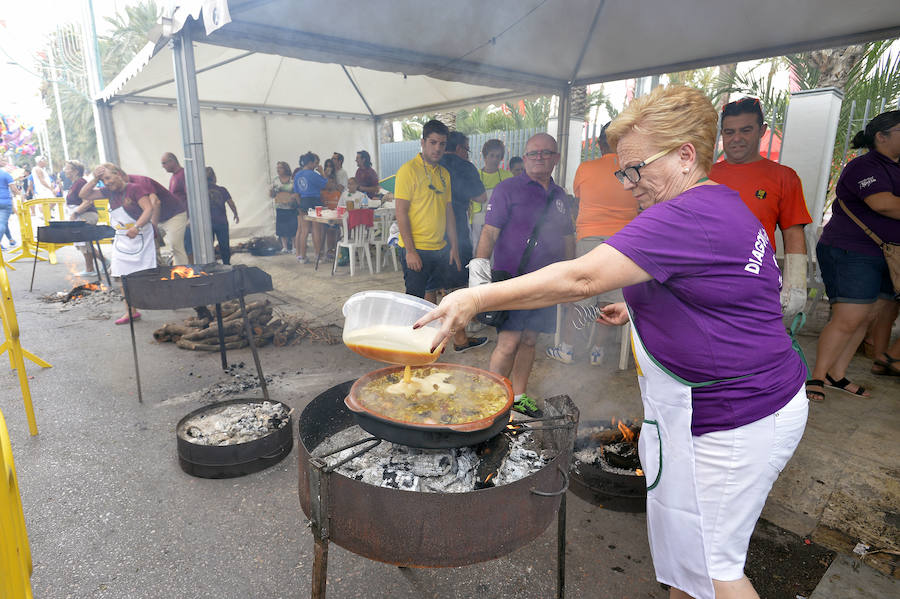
x: 604, y: 207
x: 771, y: 191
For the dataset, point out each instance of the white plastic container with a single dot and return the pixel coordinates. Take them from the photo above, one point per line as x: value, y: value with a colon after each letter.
x: 378, y: 325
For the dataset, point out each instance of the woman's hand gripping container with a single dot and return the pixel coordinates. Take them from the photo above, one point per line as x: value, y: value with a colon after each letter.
x: 378, y: 325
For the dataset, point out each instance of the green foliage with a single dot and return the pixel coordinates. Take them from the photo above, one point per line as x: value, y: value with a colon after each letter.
x: 534, y: 114
x: 127, y: 37
x: 706, y: 80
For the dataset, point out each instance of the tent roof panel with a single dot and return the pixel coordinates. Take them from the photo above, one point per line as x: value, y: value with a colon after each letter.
x: 508, y: 43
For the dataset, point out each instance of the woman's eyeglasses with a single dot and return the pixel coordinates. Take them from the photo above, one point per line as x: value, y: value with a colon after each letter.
x: 633, y: 173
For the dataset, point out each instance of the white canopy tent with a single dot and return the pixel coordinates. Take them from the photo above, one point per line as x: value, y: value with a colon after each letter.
x: 261, y: 108
x: 278, y: 77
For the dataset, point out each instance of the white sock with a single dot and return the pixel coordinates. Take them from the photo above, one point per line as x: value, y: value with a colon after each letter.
x: 565, y: 348
x: 517, y: 397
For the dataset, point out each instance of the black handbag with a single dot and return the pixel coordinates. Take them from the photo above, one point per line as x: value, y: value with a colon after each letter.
x: 496, y: 318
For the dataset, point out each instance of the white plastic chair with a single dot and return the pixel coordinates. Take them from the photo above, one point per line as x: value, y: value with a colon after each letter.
x: 380, y: 235
x: 353, y: 239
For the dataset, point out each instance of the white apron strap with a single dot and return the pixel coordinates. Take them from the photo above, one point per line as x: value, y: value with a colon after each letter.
x: 667, y: 458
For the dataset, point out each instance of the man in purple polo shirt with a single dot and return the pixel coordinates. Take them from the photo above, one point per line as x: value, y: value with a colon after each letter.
x: 173, y: 216
x: 515, y: 207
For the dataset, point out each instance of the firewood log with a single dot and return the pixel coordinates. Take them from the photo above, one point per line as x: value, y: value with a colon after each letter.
x: 185, y: 344
x: 212, y: 332
x: 172, y: 331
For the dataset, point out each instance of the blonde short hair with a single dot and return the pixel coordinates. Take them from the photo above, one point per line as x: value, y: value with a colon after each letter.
x: 115, y: 168
x: 671, y: 116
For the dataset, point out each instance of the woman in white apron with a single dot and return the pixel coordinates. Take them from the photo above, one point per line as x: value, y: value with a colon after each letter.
x: 722, y: 388
x: 130, y: 211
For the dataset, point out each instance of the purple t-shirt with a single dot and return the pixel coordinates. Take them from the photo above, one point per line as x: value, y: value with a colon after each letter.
x: 871, y: 173
x: 712, y: 310
x: 514, y: 208
x: 169, y: 205
x: 218, y: 198
x: 128, y: 198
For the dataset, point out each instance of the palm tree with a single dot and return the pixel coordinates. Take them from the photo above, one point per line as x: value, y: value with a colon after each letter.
x: 128, y: 36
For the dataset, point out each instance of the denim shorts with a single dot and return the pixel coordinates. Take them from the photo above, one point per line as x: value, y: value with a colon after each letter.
x: 433, y: 275
x: 307, y: 203
x: 540, y: 320
x: 853, y: 278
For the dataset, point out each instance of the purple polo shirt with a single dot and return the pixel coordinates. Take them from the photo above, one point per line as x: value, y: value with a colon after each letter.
x: 177, y: 186
x: 169, y: 205
x: 871, y: 173
x: 514, y: 208
x: 712, y: 310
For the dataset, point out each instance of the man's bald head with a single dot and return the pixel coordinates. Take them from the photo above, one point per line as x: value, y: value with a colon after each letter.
x: 169, y: 162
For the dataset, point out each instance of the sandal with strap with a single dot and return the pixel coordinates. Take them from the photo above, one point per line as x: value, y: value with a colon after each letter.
x: 886, y: 367
x: 842, y: 385
x: 812, y: 395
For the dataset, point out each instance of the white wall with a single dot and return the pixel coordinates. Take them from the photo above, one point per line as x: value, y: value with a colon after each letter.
x: 242, y: 147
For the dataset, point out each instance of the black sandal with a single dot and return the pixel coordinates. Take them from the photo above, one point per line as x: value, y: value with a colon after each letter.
x: 887, y: 366
x: 815, y: 395
x: 842, y: 385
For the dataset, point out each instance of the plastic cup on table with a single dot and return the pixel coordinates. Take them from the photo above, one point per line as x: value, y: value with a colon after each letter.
x: 318, y: 211
x: 341, y: 211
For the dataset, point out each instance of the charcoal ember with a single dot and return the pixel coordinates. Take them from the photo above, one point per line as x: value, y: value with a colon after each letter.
x: 491, y: 454
x: 236, y: 423
x: 427, y: 470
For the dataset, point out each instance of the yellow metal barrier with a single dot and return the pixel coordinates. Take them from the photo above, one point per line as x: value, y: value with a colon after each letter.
x: 15, y: 553
x: 28, y: 247
x: 17, y: 354
x: 102, y: 207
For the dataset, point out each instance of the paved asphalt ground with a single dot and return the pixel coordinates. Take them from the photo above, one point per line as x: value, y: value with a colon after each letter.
x: 111, y: 515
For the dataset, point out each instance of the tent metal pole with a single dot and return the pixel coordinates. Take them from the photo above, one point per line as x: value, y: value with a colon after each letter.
x: 562, y: 133
x: 377, y: 124
x: 192, y: 139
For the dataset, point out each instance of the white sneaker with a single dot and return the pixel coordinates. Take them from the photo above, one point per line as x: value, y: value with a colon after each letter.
x: 597, y: 356
x: 558, y: 353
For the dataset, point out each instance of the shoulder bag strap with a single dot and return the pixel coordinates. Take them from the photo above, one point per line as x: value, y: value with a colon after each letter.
x: 866, y: 229
x: 532, y: 239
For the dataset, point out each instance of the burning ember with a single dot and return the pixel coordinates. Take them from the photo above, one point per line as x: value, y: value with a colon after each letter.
x: 436, y: 470
x: 76, y: 293
x: 613, y: 447
x: 235, y: 424
x: 183, y: 272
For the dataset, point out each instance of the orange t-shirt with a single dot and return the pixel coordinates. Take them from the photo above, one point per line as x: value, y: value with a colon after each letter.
x: 773, y: 192
x: 604, y: 205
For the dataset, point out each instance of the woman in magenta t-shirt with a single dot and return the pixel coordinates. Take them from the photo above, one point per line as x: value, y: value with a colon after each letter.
x: 723, y: 390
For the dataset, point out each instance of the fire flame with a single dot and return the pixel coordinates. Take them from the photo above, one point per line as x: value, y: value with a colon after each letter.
x: 627, y: 433
x: 183, y: 272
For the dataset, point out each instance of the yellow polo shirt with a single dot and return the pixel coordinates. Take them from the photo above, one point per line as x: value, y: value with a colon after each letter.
x: 427, y: 207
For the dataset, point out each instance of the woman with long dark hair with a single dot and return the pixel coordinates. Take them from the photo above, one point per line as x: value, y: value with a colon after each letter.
x: 856, y: 275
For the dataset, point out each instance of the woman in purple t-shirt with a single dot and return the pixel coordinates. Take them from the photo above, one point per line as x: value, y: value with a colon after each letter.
x: 855, y: 273
x: 723, y: 391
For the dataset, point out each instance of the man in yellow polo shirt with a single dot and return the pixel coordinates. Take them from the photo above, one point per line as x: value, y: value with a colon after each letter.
x: 424, y: 216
